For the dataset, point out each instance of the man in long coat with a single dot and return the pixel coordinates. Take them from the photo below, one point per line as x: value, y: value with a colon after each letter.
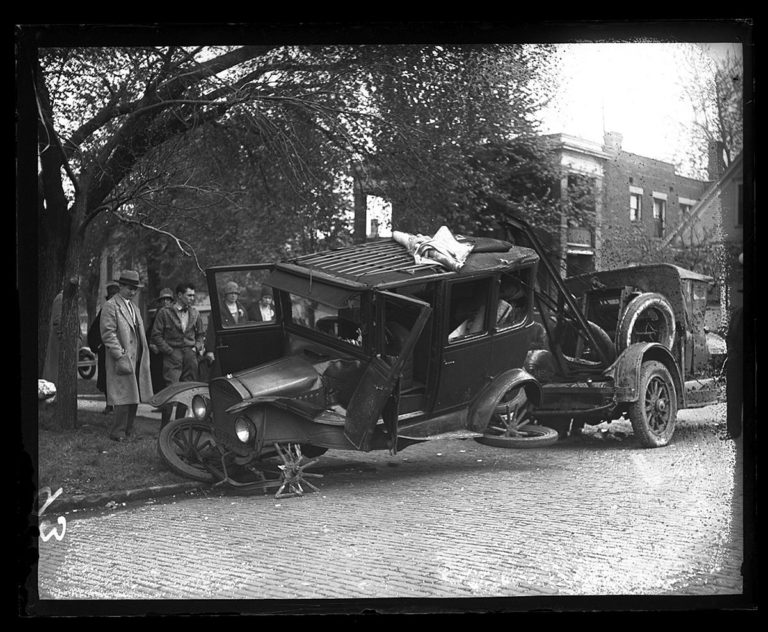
x: 127, y: 355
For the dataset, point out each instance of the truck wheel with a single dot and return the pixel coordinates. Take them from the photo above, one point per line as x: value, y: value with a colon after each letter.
x: 647, y: 318
x: 654, y: 414
x: 185, y: 445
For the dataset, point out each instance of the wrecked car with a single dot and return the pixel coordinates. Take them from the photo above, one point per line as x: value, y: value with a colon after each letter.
x: 388, y: 343
x: 625, y: 342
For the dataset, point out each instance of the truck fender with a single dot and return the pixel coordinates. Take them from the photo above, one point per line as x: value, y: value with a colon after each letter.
x: 482, y: 408
x: 179, y: 393
x: 626, y: 370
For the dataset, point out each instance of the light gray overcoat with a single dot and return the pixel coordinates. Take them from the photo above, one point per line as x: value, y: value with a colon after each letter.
x: 122, y: 337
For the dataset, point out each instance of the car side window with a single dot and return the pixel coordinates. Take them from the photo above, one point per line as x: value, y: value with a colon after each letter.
x: 514, y: 298
x: 243, y: 298
x: 467, y: 309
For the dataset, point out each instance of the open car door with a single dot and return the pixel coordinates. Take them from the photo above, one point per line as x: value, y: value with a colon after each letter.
x: 382, y: 373
x: 245, y: 335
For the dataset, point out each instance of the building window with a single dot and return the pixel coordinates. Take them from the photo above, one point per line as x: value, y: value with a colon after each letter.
x: 659, y: 216
x: 635, y: 207
x: 685, y: 210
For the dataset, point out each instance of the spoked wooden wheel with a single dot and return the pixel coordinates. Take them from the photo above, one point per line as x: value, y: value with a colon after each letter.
x: 293, y: 473
x: 654, y: 414
x: 186, y: 445
x: 512, y: 425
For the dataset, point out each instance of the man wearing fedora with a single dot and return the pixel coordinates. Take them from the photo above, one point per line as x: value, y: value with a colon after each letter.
x: 127, y: 358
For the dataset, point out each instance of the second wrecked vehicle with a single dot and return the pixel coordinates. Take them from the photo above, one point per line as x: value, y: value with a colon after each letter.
x: 381, y: 345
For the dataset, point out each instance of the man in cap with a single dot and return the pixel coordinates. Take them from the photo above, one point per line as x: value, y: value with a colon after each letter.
x: 179, y: 335
x: 127, y: 360
x: 164, y: 299
x: 97, y: 345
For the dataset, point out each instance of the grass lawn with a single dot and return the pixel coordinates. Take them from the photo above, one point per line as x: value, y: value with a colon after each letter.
x: 85, y: 461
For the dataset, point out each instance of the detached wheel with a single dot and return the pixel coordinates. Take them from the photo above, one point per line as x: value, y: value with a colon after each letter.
x: 186, y: 445
x: 647, y: 318
x: 531, y: 437
x: 654, y: 414
x: 512, y: 426
x: 86, y: 372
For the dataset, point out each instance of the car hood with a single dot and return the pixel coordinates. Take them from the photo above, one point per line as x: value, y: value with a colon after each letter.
x: 286, y: 377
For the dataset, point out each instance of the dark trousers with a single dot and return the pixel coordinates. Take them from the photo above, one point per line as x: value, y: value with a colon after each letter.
x: 122, y: 419
x: 179, y: 366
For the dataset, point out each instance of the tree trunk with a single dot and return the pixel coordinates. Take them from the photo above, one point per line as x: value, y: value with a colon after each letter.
x: 66, y: 389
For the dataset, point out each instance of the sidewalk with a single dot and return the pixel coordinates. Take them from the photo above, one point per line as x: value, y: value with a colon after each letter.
x: 96, y: 403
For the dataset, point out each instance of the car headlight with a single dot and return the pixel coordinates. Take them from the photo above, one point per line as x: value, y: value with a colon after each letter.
x: 200, y: 407
x: 244, y: 429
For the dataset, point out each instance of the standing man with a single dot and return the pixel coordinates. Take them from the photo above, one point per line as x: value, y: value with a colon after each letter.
x: 127, y: 360
x: 179, y: 335
x: 97, y: 345
x: 164, y: 299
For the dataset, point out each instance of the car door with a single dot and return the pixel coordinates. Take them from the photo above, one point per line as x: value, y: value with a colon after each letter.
x: 467, y: 343
x: 378, y: 381
x: 253, y: 338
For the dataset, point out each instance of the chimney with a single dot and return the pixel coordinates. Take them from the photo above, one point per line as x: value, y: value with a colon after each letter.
x: 715, y: 159
x: 612, y: 143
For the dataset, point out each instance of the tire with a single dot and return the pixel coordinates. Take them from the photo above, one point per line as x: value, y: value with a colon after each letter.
x: 530, y: 437
x: 185, y: 445
x: 654, y: 414
x: 648, y: 318
x: 511, y: 425
x: 86, y: 372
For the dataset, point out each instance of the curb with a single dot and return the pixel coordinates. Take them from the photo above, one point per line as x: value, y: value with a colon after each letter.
x: 106, y: 499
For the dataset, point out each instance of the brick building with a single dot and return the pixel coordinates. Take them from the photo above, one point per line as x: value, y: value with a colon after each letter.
x: 636, y: 199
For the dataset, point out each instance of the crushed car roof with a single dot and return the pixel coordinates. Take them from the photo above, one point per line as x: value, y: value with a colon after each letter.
x: 385, y: 262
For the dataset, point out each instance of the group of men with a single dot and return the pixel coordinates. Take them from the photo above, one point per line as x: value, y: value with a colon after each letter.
x: 175, y: 339
x: 135, y: 361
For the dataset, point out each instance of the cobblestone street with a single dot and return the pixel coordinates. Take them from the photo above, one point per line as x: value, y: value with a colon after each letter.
x: 445, y: 519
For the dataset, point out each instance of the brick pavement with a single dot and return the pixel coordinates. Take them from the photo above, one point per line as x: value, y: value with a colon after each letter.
x: 447, y: 519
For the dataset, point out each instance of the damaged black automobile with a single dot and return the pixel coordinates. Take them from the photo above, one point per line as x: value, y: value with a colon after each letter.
x: 388, y: 343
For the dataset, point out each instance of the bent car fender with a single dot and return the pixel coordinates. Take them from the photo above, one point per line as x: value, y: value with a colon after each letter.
x: 179, y: 393
x: 482, y: 408
x: 626, y: 370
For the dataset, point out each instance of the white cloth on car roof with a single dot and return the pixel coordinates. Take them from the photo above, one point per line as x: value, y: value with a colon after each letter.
x: 442, y: 247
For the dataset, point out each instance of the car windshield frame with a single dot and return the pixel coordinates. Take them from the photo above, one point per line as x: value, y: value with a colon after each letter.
x: 341, y: 324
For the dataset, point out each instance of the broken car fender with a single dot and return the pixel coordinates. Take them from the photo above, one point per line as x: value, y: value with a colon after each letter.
x: 481, y: 410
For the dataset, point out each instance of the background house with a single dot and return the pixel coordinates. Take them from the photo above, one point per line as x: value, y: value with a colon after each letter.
x: 641, y: 211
